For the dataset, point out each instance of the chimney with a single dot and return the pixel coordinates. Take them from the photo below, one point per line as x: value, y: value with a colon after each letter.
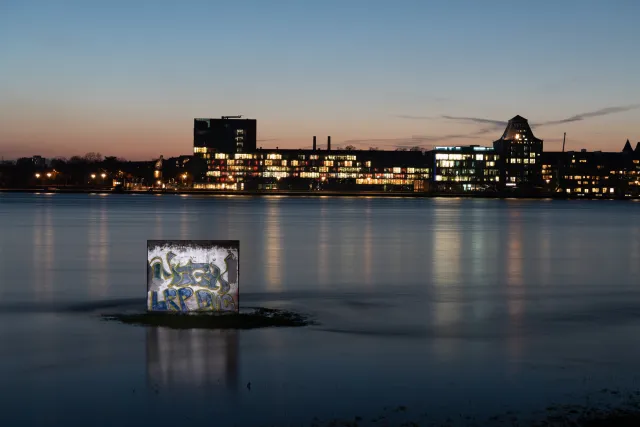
x: 314, y: 143
x: 328, y: 143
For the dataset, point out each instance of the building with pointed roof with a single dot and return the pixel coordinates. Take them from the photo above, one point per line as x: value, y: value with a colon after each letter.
x: 519, y: 151
x: 627, y: 148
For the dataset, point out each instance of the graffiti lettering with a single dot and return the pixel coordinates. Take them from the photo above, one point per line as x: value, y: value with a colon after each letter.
x: 195, y: 274
x: 169, y: 296
x: 175, y: 300
x: 205, y: 300
x: 208, y: 301
x: 186, y: 285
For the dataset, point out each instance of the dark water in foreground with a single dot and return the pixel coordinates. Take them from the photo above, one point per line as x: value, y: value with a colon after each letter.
x: 443, y: 306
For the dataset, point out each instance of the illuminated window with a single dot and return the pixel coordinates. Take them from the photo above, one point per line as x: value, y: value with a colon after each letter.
x: 479, y: 157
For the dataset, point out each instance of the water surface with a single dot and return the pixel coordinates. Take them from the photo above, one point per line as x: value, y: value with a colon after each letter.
x: 444, y: 306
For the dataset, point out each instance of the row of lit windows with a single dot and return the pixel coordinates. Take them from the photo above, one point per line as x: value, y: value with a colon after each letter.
x: 375, y: 181
x: 218, y: 186
x: 463, y: 178
x: 525, y: 161
x: 593, y: 190
x: 275, y: 174
x: 452, y: 163
x: 348, y: 167
x: 445, y: 156
x: 342, y: 157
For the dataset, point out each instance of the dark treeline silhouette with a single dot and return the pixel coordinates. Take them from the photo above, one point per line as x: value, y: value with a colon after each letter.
x: 96, y: 170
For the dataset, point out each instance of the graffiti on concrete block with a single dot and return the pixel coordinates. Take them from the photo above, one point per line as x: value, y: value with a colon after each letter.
x: 192, y: 275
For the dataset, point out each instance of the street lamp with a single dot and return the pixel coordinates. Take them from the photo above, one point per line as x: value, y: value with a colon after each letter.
x: 48, y: 174
x: 37, y: 175
x: 93, y: 176
x: 104, y: 175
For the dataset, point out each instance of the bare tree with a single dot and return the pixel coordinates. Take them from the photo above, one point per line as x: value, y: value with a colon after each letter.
x: 350, y: 148
x: 93, y: 157
x: 415, y: 148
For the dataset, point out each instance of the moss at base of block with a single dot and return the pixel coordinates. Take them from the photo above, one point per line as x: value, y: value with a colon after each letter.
x: 259, y: 318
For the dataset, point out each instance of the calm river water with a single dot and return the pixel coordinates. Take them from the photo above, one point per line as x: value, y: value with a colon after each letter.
x: 435, y: 307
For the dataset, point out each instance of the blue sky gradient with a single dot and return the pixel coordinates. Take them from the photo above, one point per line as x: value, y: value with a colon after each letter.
x: 127, y: 78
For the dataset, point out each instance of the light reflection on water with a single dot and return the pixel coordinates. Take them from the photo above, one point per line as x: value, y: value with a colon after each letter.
x: 415, y: 298
x: 273, y: 249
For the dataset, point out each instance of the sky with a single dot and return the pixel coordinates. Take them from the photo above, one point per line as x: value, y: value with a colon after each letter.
x: 127, y: 78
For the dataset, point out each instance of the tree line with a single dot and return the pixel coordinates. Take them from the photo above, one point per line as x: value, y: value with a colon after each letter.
x: 93, y: 169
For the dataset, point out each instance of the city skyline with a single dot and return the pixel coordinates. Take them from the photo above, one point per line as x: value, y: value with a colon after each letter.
x: 127, y: 80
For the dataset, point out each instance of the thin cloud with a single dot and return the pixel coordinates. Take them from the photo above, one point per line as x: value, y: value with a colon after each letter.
x: 478, y: 120
x: 408, y: 142
x: 575, y: 118
x: 597, y: 113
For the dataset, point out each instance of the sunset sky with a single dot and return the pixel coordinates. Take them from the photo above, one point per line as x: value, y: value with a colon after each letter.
x: 127, y: 78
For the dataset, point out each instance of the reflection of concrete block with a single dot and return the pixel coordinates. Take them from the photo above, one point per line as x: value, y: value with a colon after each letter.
x: 193, y: 357
x: 193, y: 275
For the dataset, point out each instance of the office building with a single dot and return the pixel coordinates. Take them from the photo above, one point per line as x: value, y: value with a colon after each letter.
x: 228, y: 134
x: 471, y: 168
x: 519, y: 151
x: 592, y: 173
x: 318, y: 169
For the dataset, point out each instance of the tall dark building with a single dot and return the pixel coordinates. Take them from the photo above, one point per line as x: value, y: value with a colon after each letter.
x: 519, y: 150
x: 228, y: 134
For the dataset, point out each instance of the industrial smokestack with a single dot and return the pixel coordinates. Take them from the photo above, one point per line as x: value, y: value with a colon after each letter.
x: 328, y: 143
x: 314, y: 143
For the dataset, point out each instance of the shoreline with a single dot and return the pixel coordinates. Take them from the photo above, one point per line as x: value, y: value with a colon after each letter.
x: 294, y: 193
